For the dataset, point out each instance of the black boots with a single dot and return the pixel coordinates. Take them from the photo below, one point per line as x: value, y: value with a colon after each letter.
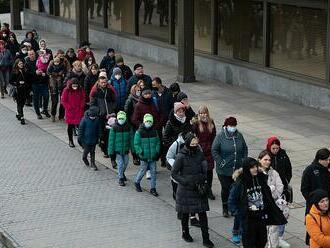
x: 186, y: 236
x: 93, y: 165
x: 225, y: 212
x: 71, y: 144
x: 206, y: 240
x: 85, y: 161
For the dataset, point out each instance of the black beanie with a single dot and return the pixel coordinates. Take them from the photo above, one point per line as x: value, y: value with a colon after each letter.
x: 317, y: 195
x: 188, y: 138
x: 181, y: 96
x: 93, y: 111
x: 137, y: 66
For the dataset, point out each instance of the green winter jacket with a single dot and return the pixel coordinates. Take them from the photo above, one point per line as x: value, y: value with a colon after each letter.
x: 147, y: 144
x: 121, y: 139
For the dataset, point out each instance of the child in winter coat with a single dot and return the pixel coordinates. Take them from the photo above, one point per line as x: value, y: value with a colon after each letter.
x: 89, y: 134
x: 120, y: 143
x: 147, y: 147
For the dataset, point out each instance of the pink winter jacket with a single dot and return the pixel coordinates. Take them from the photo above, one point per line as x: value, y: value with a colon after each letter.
x: 74, y: 103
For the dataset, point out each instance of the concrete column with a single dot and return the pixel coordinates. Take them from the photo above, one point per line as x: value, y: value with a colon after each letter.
x: 186, y: 41
x: 81, y: 21
x: 15, y: 15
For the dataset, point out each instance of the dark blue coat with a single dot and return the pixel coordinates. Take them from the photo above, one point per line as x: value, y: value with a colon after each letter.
x: 121, y: 91
x: 108, y: 63
x: 89, y: 130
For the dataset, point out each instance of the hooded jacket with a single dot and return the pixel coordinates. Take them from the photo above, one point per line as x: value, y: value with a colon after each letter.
x: 228, y: 152
x: 275, y: 183
x: 104, y: 98
x: 145, y: 107
x: 120, y: 87
x: 318, y: 227
x: 188, y: 169
x: 89, y: 130
x: 74, y: 102
x: 174, y: 149
x: 164, y: 103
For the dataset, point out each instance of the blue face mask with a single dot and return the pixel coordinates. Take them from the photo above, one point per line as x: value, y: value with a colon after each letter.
x: 148, y: 125
x: 121, y: 122
x: 231, y: 129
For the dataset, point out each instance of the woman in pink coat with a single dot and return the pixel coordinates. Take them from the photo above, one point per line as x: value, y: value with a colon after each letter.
x: 73, y: 100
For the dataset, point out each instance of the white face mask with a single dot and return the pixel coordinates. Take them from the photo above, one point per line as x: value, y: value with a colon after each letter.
x: 92, y: 117
x: 121, y: 122
x: 231, y: 129
x: 117, y: 76
x: 74, y: 87
x: 181, y: 119
x: 24, y: 51
x: 148, y: 125
x: 138, y: 93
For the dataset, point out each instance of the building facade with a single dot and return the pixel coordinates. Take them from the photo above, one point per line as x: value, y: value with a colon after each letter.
x: 277, y: 47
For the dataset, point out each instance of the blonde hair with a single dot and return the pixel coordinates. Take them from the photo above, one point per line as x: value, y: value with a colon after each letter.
x: 210, y: 124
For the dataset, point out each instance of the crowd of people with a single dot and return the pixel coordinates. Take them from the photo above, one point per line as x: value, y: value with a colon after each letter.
x: 128, y: 112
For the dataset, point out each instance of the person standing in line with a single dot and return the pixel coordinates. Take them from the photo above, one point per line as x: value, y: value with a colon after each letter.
x: 318, y: 219
x: 139, y: 74
x: 6, y: 62
x: 228, y: 150
x: 18, y: 80
x: 90, y: 81
x: 147, y: 147
x: 316, y: 176
x: 89, y: 134
x: 71, y: 56
x: 108, y: 62
x: 127, y: 72
x: 205, y: 130
x: 120, y: 86
x: 121, y: 141
x: 251, y: 201
x: 189, y: 170
x: 276, y: 187
x: 73, y: 100
x: 130, y: 103
x: 56, y: 71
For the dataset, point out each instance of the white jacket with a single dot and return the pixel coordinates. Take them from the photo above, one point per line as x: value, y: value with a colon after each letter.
x: 275, y: 183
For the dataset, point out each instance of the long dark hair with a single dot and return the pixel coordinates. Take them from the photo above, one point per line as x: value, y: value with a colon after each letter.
x: 15, y: 66
x: 321, y: 154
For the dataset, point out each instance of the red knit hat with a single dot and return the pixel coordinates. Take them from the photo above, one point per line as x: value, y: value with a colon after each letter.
x: 230, y: 121
x: 271, y: 141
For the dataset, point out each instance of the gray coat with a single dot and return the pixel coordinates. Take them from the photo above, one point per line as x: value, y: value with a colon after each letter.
x: 6, y: 60
x: 188, y: 169
x: 228, y: 152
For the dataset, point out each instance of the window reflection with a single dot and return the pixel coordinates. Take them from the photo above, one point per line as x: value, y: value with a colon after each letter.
x: 120, y: 15
x: 203, y: 25
x: 67, y: 9
x: 95, y: 11
x: 298, y: 39
x: 153, y: 19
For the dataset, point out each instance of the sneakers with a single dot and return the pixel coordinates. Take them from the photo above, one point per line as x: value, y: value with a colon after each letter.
x: 138, y: 187
x: 121, y: 182
x: 283, y: 243
x: 93, y: 166
x: 18, y: 117
x: 236, y: 239
x: 208, y: 243
x: 114, y: 163
x: 186, y: 237
x: 195, y: 222
x: 86, y: 161
x: 148, y: 175
x: 154, y: 192
x: 124, y: 177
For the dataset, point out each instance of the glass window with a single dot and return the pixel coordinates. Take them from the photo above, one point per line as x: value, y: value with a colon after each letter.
x: 240, y: 27
x: 153, y: 19
x: 67, y: 9
x: 120, y: 15
x: 202, y: 30
x: 34, y: 5
x: 95, y: 11
x: 298, y: 40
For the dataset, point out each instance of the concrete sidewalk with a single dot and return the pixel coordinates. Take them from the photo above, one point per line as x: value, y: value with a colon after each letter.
x: 302, y: 131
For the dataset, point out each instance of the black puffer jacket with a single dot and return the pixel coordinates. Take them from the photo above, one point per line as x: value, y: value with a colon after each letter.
x: 173, y: 128
x: 188, y: 169
x: 105, y: 99
x: 89, y: 82
x: 281, y: 163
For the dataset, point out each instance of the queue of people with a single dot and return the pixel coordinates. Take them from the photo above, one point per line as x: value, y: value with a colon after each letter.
x: 128, y: 112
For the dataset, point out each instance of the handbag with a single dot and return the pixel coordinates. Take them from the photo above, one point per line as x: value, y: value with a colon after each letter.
x: 12, y: 90
x: 203, y: 189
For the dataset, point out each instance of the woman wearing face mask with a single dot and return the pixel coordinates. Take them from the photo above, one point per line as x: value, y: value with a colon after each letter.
x: 73, y: 100
x: 90, y: 80
x: 205, y: 130
x: 22, y: 53
x: 13, y: 46
x: 276, y: 187
x: 318, y: 220
x: 43, y: 46
x: 130, y: 103
x: 120, y: 85
x: 76, y: 72
x: 188, y: 169
x: 252, y: 203
x: 228, y: 150
x: 18, y: 79
x: 87, y: 64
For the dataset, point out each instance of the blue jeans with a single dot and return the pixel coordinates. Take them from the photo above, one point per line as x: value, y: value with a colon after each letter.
x: 281, y: 230
x: 142, y: 171
x: 237, y: 226
x: 122, y: 162
x: 40, y: 90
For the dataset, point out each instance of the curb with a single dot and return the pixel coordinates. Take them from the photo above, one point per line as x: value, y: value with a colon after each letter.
x: 6, y: 240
